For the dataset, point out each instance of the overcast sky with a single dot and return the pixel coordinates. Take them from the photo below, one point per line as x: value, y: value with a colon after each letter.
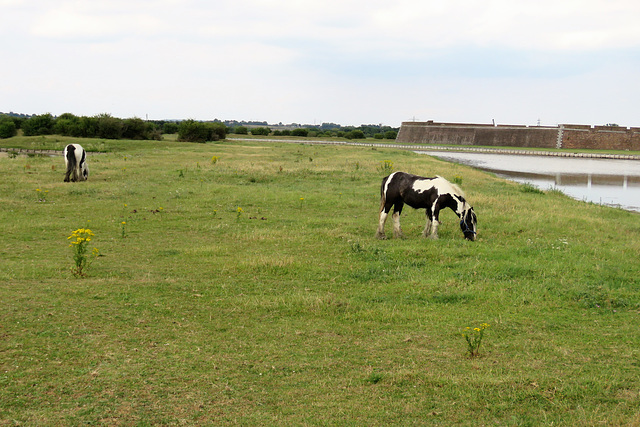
x: 350, y: 62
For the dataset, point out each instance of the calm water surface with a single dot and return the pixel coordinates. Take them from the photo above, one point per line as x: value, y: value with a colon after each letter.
x: 610, y: 182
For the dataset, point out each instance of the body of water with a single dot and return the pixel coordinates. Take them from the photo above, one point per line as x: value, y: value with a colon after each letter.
x: 603, y: 181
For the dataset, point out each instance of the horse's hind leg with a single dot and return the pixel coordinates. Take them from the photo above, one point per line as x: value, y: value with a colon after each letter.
x: 427, y: 228
x: 381, y: 221
x: 397, y: 230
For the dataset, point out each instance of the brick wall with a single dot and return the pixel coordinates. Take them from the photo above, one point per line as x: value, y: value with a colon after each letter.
x: 565, y: 136
x: 602, y: 137
x: 474, y: 134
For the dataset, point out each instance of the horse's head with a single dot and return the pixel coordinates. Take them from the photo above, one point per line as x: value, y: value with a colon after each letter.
x: 85, y: 171
x: 468, y: 223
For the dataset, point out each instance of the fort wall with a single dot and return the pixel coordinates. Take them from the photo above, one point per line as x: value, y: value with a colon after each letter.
x: 563, y: 136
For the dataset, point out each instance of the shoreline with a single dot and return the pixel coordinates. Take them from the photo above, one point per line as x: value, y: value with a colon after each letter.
x: 483, y: 150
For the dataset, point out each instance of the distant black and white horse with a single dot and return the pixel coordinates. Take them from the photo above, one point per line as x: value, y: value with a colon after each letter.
x: 75, y: 158
x: 432, y: 194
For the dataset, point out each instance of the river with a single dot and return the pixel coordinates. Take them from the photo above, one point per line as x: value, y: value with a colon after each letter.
x: 603, y: 181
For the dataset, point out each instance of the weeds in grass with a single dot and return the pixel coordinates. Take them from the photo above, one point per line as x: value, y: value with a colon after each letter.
x: 123, y: 229
x: 80, y: 249
x: 474, y: 337
x: 42, y: 195
x: 457, y: 180
x: 239, y: 213
x: 386, y: 166
x: 374, y: 378
x: 214, y: 160
x: 527, y: 187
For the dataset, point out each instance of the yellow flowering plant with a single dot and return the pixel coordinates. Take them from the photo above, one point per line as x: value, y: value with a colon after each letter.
x: 474, y: 336
x: 79, y: 242
x: 386, y: 166
x: 42, y: 195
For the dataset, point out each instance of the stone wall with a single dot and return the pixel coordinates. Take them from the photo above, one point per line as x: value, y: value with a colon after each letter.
x: 563, y: 136
x: 601, y: 137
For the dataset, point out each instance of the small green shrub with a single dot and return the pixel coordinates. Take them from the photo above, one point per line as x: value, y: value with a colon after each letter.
x: 530, y: 188
x: 7, y: 127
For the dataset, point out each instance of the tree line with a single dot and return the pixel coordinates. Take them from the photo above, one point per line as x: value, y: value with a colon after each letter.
x: 109, y: 127
x: 361, y: 132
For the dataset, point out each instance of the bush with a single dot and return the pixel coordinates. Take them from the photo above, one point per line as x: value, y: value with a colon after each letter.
x: 391, y: 134
x: 89, y: 127
x: 170, y: 128
x: 68, y: 125
x: 354, y: 134
x: 134, y: 128
x: 38, y: 125
x: 8, y: 127
x: 300, y: 132
x: 218, y: 130
x: 109, y: 127
x: 193, y: 131
x: 241, y: 130
x: 261, y: 131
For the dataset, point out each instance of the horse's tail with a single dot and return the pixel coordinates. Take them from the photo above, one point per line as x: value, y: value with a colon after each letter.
x: 383, y: 200
x: 383, y: 196
x: 70, y: 158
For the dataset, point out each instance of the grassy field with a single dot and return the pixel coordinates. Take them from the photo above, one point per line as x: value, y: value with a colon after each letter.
x: 246, y: 287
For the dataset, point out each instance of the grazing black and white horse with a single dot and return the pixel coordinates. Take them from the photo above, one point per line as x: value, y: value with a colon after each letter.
x: 75, y: 158
x: 432, y: 194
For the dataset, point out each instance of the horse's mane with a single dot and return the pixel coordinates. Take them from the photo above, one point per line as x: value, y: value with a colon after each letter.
x: 457, y: 189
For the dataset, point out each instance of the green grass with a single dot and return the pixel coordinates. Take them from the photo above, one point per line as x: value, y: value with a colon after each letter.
x: 291, y: 312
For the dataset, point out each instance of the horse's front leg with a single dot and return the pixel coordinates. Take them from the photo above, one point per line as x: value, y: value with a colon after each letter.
x: 431, y: 229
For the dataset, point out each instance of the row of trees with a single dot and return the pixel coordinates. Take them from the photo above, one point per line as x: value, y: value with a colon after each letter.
x: 109, y: 127
x: 100, y: 126
x: 348, y: 133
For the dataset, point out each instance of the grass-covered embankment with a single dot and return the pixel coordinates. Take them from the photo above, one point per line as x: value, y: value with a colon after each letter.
x: 248, y: 289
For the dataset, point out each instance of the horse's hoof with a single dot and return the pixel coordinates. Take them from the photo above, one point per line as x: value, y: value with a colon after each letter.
x: 380, y: 236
